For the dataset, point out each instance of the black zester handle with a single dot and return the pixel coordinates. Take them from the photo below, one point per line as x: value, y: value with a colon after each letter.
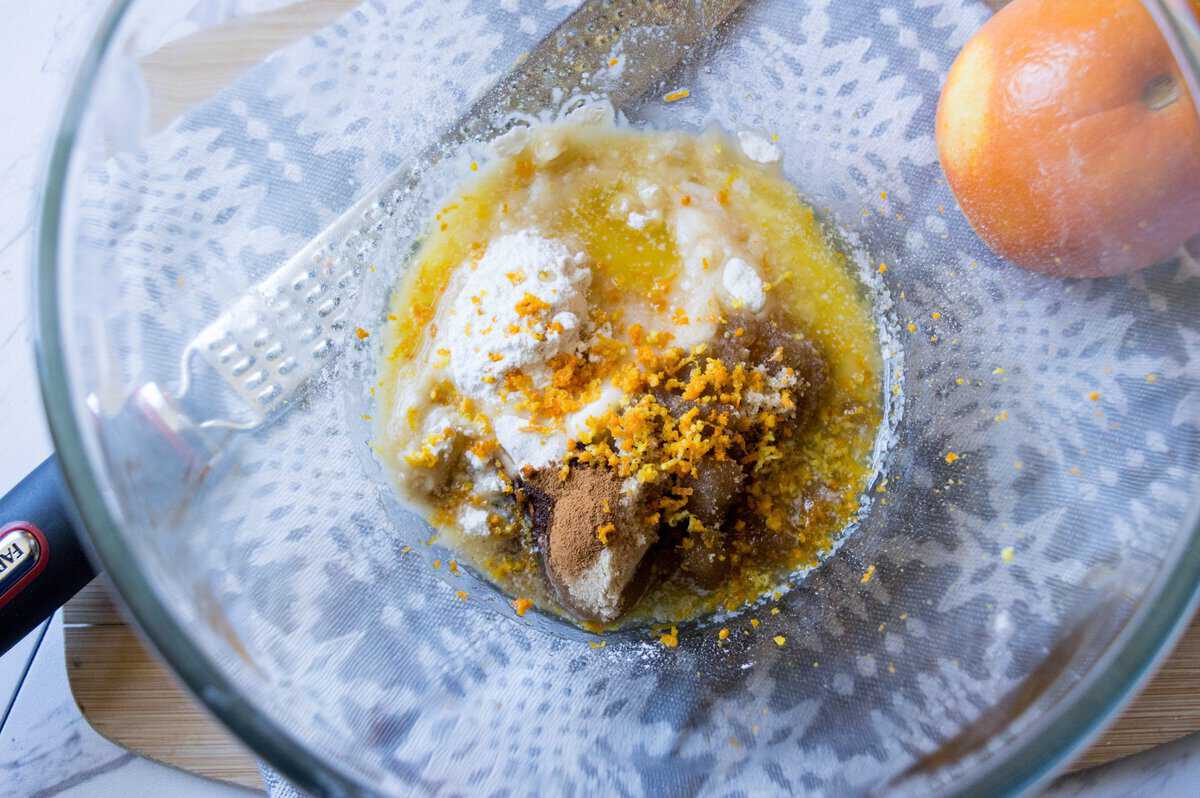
x: 42, y: 563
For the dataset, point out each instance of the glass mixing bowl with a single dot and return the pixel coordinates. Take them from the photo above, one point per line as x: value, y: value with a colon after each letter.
x: 988, y: 614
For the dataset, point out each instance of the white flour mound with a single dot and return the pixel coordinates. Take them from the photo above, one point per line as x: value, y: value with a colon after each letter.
x: 490, y: 329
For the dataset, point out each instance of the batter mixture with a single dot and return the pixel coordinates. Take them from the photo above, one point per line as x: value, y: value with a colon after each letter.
x: 627, y: 375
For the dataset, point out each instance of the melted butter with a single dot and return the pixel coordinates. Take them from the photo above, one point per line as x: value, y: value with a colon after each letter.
x: 626, y: 260
x: 811, y: 284
x: 812, y: 281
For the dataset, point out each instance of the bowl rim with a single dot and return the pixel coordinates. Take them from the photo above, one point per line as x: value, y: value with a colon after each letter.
x: 1075, y: 720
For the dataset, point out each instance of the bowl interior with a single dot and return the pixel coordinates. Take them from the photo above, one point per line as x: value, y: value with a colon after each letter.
x: 1032, y: 506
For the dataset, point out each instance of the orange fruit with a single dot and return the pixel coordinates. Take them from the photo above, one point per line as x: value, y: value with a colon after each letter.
x: 1069, y: 137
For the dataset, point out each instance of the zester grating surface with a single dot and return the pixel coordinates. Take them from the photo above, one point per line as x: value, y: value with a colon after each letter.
x: 272, y: 339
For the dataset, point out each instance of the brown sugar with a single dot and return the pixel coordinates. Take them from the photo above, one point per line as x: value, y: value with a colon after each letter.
x: 770, y: 343
x: 716, y: 487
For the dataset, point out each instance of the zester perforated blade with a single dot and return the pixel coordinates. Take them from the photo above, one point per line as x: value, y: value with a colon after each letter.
x: 283, y: 331
x: 274, y: 337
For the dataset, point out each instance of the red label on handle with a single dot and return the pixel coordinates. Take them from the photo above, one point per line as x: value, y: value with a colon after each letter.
x: 24, y: 553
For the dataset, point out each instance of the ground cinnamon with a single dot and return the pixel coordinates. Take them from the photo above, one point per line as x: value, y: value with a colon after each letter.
x: 594, y: 539
x: 578, y: 512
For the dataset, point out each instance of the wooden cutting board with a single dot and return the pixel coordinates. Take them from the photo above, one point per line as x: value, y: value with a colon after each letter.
x: 134, y: 701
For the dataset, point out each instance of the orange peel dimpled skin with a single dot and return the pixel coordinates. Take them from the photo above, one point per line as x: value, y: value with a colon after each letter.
x: 1069, y: 137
